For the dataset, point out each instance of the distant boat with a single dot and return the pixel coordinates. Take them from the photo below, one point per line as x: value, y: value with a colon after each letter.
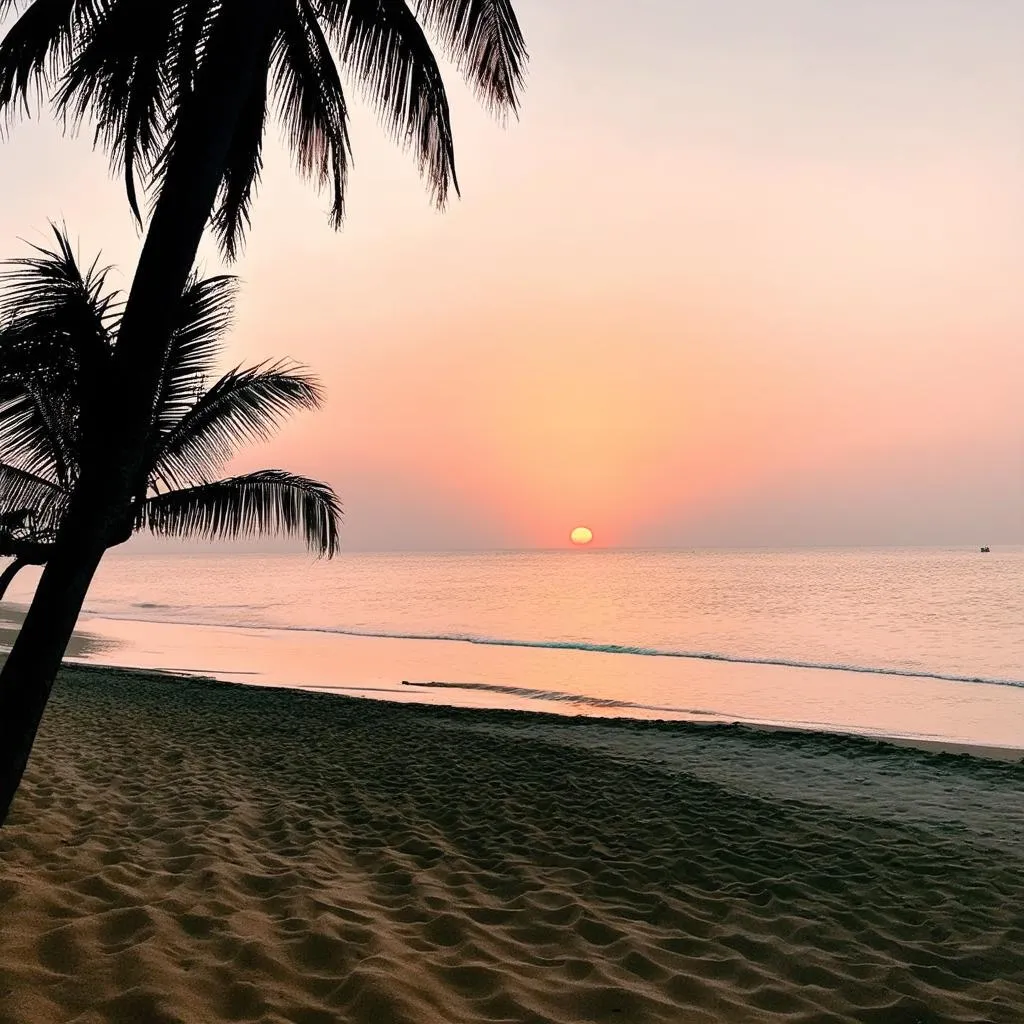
x: 985, y: 550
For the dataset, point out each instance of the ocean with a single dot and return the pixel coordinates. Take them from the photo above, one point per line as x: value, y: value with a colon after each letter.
x: 919, y: 643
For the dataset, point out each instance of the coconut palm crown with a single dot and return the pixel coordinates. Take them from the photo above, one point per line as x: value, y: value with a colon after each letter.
x: 131, y: 66
x: 58, y: 332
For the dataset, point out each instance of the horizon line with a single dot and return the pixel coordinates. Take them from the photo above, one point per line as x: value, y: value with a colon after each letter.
x: 581, y: 550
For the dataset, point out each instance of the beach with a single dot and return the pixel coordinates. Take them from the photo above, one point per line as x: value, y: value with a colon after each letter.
x: 556, y: 560
x: 186, y: 850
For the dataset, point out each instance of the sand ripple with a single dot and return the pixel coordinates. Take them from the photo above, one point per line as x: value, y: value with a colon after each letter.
x: 185, y: 851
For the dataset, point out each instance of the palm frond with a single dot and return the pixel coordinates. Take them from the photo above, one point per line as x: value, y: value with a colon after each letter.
x: 51, y: 282
x: 244, y: 405
x: 484, y: 40
x: 192, y: 31
x: 40, y: 436
x: 28, y: 498
x: 30, y: 356
x: 384, y: 48
x: 311, y: 102
x: 41, y: 40
x: 130, y: 65
x: 265, y: 503
x: 61, y: 318
x: 55, y: 348
x: 242, y: 172
x: 205, y: 314
x: 121, y: 74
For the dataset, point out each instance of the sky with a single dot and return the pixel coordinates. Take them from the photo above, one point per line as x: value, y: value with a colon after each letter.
x: 740, y: 274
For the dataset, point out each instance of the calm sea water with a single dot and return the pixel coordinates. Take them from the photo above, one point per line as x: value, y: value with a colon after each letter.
x: 913, y: 642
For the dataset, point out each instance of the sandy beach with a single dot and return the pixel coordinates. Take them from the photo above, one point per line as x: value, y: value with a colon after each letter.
x: 184, y: 850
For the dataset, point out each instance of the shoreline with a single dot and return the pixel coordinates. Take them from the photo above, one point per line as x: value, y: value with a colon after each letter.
x: 980, y: 750
x: 185, y: 849
x: 986, y: 720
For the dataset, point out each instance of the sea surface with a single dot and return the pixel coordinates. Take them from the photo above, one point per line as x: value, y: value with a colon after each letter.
x: 921, y: 643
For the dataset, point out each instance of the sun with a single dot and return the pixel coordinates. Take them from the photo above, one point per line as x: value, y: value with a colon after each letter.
x: 581, y: 535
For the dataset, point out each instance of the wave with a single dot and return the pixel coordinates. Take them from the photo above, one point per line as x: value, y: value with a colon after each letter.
x: 561, y: 697
x: 587, y: 647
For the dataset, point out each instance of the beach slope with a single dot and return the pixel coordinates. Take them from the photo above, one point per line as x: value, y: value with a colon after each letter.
x: 184, y: 850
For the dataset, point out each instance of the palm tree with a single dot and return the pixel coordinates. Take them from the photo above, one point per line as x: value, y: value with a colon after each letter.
x: 60, y: 333
x: 180, y: 92
x: 23, y: 540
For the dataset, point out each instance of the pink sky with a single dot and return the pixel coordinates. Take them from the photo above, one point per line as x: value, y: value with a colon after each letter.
x: 743, y: 273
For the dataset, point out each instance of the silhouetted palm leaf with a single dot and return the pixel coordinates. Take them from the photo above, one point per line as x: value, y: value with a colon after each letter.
x: 22, y: 491
x: 55, y: 348
x: 132, y: 65
x: 54, y: 300
x: 242, y: 407
x: 123, y: 77
x: 242, y: 171
x: 485, y: 41
x: 384, y: 48
x: 59, y: 327
x: 266, y: 502
x: 36, y: 440
x: 37, y: 47
x: 311, y: 102
x: 205, y: 316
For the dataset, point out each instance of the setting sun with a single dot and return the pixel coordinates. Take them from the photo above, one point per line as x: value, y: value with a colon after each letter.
x: 581, y: 535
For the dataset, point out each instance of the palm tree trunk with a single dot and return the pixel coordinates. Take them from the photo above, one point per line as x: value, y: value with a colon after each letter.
x: 9, y: 573
x: 194, y: 172
x: 32, y: 665
x: 113, y: 471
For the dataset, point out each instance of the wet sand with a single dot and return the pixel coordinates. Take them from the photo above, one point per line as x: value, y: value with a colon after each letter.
x: 185, y: 850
